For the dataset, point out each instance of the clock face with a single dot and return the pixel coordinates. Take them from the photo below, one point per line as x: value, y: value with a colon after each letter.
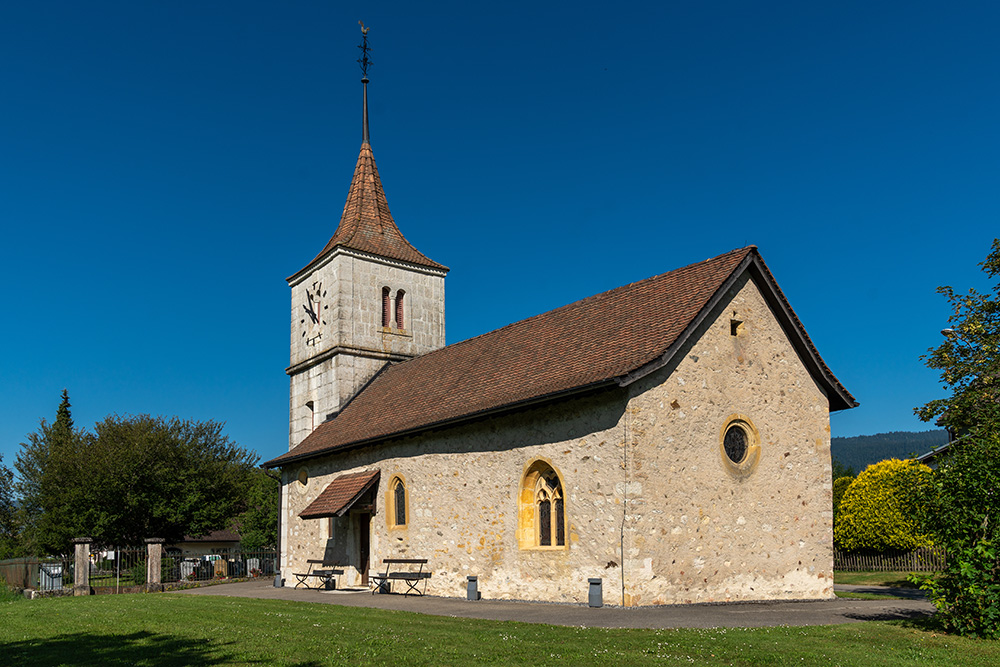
x: 314, y: 310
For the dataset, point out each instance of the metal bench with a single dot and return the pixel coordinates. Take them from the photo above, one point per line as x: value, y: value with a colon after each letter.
x: 382, y: 582
x: 324, y: 574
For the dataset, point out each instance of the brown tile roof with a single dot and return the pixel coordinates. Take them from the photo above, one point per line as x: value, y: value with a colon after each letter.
x: 613, y: 337
x: 340, y: 494
x: 366, y: 223
x: 230, y: 535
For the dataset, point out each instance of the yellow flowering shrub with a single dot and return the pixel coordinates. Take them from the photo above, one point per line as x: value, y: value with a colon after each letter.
x: 879, y: 508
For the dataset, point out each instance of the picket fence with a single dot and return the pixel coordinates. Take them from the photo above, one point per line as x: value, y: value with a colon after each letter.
x: 924, y: 559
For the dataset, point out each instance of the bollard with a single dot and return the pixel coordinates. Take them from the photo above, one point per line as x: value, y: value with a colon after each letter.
x: 278, y: 581
x: 596, y: 598
x: 472, y: 592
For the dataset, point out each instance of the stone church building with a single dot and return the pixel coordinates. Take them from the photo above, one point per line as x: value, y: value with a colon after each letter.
x: 671, y: 437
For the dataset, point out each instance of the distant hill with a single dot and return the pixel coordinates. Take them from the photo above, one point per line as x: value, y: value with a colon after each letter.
x: 861, y: 451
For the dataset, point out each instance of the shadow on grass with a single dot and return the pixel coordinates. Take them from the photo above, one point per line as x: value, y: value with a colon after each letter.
x: 147, y: 649
x: 914, y: 615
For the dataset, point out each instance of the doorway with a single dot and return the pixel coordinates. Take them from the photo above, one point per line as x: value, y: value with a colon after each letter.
x: 364, y: 545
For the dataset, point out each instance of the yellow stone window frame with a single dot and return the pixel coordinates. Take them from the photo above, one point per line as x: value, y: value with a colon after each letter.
x: 535, y: 488
x: 395, y: 482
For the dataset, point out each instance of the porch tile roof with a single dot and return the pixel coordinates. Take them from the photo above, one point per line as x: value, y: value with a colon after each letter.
x: 340, y: 495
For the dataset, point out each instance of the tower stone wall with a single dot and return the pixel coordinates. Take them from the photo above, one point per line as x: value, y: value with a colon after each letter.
x: 333, y: 357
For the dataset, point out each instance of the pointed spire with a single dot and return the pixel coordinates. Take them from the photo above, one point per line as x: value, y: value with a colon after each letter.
x: 366, y: 223
x: 364, y: 115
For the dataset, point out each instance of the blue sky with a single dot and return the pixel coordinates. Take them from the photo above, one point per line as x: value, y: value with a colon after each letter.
x: 164, y: 166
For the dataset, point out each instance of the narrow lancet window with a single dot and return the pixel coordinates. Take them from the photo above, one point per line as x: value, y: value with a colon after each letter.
x: 386, y: 309
x: 399, y: 501
x: 399, y: 309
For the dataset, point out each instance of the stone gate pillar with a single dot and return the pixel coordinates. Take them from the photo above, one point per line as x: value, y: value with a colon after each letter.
x: 154, y: 555
x: 81, y: 565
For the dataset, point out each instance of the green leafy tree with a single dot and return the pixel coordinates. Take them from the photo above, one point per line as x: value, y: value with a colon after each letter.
x: 961, y: 509
x: 154, y: 477
x: 840, y: 486
x: 259, y: 523
x: 46, y: 467
x: 8, y: 519
x: 962, y: 500
x: 879, y: 508
x: 134, y: 477
x: 969, y: 357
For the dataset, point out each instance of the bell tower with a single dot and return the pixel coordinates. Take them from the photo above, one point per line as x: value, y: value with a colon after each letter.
x: 368, y: 298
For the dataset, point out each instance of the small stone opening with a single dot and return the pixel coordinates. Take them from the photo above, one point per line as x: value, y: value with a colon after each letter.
x: 735, y: 327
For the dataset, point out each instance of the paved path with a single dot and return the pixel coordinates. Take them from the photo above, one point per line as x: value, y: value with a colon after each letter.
x: 755, y: 614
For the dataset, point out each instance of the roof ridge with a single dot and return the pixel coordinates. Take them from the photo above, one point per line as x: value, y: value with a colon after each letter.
x: 596, y: 341
x: 586, y: 299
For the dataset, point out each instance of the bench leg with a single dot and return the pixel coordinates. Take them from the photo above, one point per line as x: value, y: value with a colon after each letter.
x: 380, y: 584
x: 412, y: 587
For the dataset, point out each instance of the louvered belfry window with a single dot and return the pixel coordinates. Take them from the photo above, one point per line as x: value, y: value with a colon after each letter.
x: 386, y: 308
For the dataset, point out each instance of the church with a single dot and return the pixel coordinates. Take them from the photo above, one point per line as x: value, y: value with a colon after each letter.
x: 670, y: 437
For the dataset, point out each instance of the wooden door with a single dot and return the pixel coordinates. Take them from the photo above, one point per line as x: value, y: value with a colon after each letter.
x: 364, y: 545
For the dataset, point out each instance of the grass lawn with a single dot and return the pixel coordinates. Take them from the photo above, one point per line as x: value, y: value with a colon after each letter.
x: 897, y: 579
x: 853, y: 595
x: 170, y: 629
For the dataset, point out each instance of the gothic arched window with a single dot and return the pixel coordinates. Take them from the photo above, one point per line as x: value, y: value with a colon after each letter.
x: 399, y: 502
x: 386, y: 309
x: 395, y: 502
x: 541, y: 510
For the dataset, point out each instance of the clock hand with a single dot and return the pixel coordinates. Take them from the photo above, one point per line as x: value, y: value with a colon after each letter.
x: 309, y: 310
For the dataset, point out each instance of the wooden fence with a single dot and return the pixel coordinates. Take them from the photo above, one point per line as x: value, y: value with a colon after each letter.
x: 38, y: 573
x: 924, y: 559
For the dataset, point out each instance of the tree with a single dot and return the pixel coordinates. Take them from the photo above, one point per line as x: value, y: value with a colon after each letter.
x: 259, y: 523
x: 961, y: 502
x: 961, y: 509
x: 134, y: 477
x: 840, y: 486
x: 154, y: 477
x: 842, y: 470
x: 969, y: 357
x: 45, y: 466
x: 8, y: 523
x: 879, y: 508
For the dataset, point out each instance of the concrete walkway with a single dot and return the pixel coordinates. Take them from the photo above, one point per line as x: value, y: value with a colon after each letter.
x: 736, y: 615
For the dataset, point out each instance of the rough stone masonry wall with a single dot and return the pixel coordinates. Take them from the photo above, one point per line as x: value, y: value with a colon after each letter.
x: 462, y: 487
x: 697, y: 532
x: 692, y: 532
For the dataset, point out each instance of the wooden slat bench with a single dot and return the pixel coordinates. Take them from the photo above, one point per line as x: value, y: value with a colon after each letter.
x: 324, y: 574
x: 383, y: 581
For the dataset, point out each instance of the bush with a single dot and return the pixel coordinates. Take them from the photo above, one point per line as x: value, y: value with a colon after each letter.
x: 961, y: 509
x: 840, y: 486
x: 879, y: 508
x: 137, y: 573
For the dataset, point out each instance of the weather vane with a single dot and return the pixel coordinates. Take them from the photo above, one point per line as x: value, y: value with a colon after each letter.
x: 364, y: 60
